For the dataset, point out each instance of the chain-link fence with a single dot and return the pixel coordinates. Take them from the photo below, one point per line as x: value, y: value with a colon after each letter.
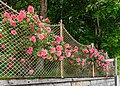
x: 13, y: 51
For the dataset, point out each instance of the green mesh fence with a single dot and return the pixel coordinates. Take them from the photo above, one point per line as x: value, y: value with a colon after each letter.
x: 11, y: 65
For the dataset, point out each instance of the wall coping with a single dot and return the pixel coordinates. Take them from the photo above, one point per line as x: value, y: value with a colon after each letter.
x: 22, y: 82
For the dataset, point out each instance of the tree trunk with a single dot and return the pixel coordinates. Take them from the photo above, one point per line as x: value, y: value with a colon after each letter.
x: 43, y: 6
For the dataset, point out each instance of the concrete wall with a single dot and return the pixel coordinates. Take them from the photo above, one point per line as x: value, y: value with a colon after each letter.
x: 101, y: 81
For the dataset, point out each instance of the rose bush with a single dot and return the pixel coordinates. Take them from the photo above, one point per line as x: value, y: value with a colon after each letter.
x: 44, y: 44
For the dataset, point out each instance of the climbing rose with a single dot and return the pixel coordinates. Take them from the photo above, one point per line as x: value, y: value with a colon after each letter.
x: 40, y: 36
x: 41, y: 17
x: 75, y: 49
x: 61, y: 58
x: 77, y: 59
x: 33, y: 39
x: 3, y: 46
x: 43, y: 52
x: 13, y: 32
x: 48, y: 29
x: 30, y: 9
x: 31, y: 71
x: 38, y: 53
x: 12, y: 23
x: 47, y: 20
x: 0, y: 36
x: 58, y: 53
x: 52, y: 50
x: 67, y: 45
x: 41, y: 25
x: 59, y: 48
x: 13, y: 16
x: 6, y: 15
x: 4, y: 20
x: 35, y: 17
x: 21, y: 15
x: 31, y: 48
x: 59, y: 39
x: 29, y: 51
x: 22, y: 60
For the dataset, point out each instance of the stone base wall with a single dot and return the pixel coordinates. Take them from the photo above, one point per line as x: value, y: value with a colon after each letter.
x: 101, y: 81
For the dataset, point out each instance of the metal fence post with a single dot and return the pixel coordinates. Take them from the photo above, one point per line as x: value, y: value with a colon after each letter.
x: 116, y: 76
x: 93, y: 65
x: 61, y: 63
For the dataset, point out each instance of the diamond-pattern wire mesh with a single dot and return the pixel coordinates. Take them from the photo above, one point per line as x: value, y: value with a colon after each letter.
x: 15, y: 48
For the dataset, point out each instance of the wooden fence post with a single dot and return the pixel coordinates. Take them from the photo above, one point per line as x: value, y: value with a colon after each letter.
x: 61, y: 63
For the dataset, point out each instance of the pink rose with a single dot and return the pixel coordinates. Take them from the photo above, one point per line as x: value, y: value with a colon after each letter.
x: 75, y: 49
x: 48, y: 29
x: 3, y: 46
x: 30, y: 9
x: 89, y: 46
x: 22, y: 60
x: 47, y: 20
x: 33, y: 39
x: 29, y: 51
x: 43, y: 52
x: 67, y: 45
x: 13, y: 16
x: 4, y: 20
x: 41, y: 25
x: 53, y: 43
x: 11, y: 58
x: 31, y: 48
x: 10, y: 65
x: 13, y: 32
x: 85, y: 51
x: 61, y: 58
x: 41, y: 17
x: 0, y: 36
x: 77, y: 59
x: 22, y: 14
x: 59, y: 39
x: 41, y: 36
x: 12, y: 23
x: 52, y: 50
x: 58, y: 53
x: 38, y: 53
x: 59, y: 48
x: 6, y: 15
x: 35, y: 17
x: 28, y: 20
x: 31, y: 71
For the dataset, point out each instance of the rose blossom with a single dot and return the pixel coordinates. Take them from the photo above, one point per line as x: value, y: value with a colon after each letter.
x: 41, y: 25
x: 61, y: 58
x: 13, y: 17
x: 77, y: 59
x: 3, y: 46
x: 41, y: 36
x: 47, y: 20
x: 12, y: 23
x: 6, y: 15
x: 38, y: 53
x: 58, y: 53
x: 0, y: 36
x: 31, y: 71
x: 13, y: 32
x: 67, y: 45
x: 59, y: 48
x: 33, y: 39
x: 43, y: 52
x: 59, y: 39
x: 52, y: 50
x: 35, y: 17
x: 30, y: 9
x: 22, y: 60
x: 48, y: 29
